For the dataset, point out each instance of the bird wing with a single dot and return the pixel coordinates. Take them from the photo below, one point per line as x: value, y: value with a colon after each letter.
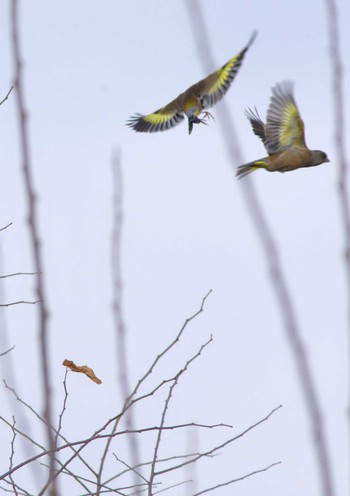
x: 214, y: 87
x: 256, y: 123
x: 160, y: 120
x: 284, y: 126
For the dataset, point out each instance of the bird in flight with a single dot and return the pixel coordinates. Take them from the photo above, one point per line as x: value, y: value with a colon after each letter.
x: 283, y: 136
x: 193, y: 101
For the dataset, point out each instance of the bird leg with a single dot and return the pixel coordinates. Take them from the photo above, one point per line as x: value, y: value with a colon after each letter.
x: 207, y: 115
x: 193, y: 119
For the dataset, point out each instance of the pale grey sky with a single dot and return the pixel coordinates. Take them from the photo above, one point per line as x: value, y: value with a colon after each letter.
x: 88, y: 67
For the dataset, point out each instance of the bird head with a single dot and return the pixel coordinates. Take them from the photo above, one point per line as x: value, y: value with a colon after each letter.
x: 319, y: 157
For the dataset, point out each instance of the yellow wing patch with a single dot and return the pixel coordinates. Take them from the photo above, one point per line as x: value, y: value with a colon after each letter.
x: 216, y: 85
x: 292, y: 127
x: 223, y: 76
x: 199, y: 96
x: 157, y: 121
x: 284, y: 126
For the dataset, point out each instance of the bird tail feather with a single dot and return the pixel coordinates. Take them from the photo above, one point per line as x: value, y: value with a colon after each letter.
x: 246, y: 169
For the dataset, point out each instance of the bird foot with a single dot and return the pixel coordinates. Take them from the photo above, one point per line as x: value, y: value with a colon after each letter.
x: 207, y: 116
x: 195, y: 120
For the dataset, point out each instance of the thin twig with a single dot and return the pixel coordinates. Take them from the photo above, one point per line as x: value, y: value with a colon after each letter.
x: 8, y: 225
x: 223, y: 484
x: 79, y: 479
x: 160, y: 460
x: 171, y: 487
x: 22, y: 302
x: 277, y: 277
x: 165, y: 409
x: 64, y: 407
x: 6, y: 97
x: 131, y: 469
x: 223, y: 445
x: 8, y: 351
x: 22, y: 433
x: 129, y: 402
x: 20, y: 490
x: 35, y: 241
x: 25, y: 436
x: 171, y: 345
x: 39, y: 417
x: 84, y: 442
x: 19, y: 274
x: 13, y: 454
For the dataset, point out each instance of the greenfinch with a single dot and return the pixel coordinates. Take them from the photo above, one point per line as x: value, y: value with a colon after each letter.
x: 193, y: 101
x: 282, y: 135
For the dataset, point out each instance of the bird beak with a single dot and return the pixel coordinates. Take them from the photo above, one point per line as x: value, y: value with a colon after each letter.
x: 327, y: 160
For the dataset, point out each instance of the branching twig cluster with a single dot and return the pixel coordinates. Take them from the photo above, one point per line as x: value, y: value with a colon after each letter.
x: 118, y: 483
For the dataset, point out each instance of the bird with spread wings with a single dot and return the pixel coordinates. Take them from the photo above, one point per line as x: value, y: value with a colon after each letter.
x: 283, y: 136
x: 192, y: 102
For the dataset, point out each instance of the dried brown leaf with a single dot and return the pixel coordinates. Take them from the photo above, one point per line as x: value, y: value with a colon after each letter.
x: 84, y: 369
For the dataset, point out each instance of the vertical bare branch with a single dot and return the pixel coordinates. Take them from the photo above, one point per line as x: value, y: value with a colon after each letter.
x: 117, y: 304
x: 275, y: 267
x: 191, y: 469
x: 117, y: 307
x: 12, y: 455
x: 339, y: 139
x: 34, y: 237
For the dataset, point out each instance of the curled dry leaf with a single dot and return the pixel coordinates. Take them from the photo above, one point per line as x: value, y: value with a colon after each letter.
x: 84, y: 369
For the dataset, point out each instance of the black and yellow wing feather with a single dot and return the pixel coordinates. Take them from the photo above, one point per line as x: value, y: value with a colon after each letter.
x: 215, y: 86
x: 160, y: 120
x: 257, y: 124
x: 207, y: 91
x: 284, y: 126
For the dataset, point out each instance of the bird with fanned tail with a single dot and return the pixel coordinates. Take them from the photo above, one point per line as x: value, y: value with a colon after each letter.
x: 283, y: 136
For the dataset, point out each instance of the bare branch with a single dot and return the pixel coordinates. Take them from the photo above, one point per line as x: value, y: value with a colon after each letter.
x: 340, y: 147
x: 278, y: 280
x: 35, y: 240
x: 83, y: 443
x: 22, y: 302
x: 118, y: 316
x: 163, y: 460
x: 6, y: 97
x: 19, y: 274
x: 223, y: 445
x: 8, y: 351
x: 21, y: 433
x: 171, y: 487
x: 131, y: 469
x: 171, y: 345
x: 39, y: 417
x: 165, y: 409
x: 12, y: 455
x: 238, y: 479
x: 3, y: 228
